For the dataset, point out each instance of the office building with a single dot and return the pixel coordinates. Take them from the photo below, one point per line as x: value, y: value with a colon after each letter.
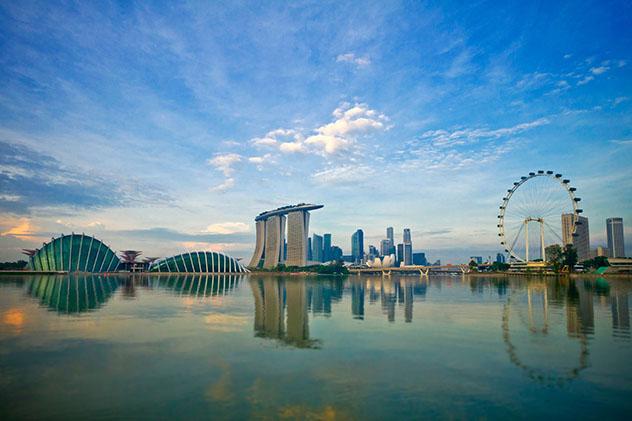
x: 309, y: 250
x: 385, y: 247
x: 400, y: 254
x: 419, y: 259
x: 477, y: 259
x: 500, y: 258
x: 357, y: 246
x: 270, y: 248
x: 601, y: 251
x: 407, y: 237
x: 390, y: 235
x: 580, y: 239
x: 317, y: 248
x: 614, y: 232
x: 326, y: 247
x: 336, y: 253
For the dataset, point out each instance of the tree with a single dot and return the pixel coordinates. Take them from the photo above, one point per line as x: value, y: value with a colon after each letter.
x: 555, y: 256
x: 597, y: 262
x: 570, y: 256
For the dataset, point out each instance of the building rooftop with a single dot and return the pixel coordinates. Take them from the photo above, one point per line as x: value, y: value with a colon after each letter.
x: 287, y: 209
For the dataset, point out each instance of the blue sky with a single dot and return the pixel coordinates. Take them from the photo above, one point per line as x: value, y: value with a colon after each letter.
x: 167, y: 127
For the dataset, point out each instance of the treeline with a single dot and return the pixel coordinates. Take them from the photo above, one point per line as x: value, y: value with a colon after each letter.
x: 334, y: 269
x: 19, y: 265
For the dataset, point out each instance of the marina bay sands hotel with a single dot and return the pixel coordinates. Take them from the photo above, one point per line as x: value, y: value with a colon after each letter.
x: 270, y: 249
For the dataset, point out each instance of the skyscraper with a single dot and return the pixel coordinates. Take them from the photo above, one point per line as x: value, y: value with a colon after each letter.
x: 400, y: 253
x: 408, y: 248
x: 271, y: 247
x: 389, y: 235
x: 385, y: 247
x: 500, y: 258
x: 614, y: 231
x: 420, y: 259
x: 326, y: 247
x: 581, y: 239
x: 310, y: 257
x: 357, y: 246
x: 317, y: 248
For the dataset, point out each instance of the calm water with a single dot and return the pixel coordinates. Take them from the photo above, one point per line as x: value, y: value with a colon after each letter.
x: 313, y: 348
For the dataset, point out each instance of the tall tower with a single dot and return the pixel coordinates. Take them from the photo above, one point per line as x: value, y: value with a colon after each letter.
x: 614, y: 231
x: 581, y: 239
x: 357, y: 246
x: 408, y: 248
x: 271, y: 247
x: 317, y: 248
x: 389, y: 235
x: 326, y: 247
x: 275, y: 235
x: 297, y: 233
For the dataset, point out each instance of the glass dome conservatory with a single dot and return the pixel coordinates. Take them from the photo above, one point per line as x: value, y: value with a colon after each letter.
x: 198, y: 262
x: 74, y: 253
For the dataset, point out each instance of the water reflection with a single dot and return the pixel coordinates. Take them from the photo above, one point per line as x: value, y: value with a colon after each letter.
x: 72, y: 294
x: 274, y: 297
x: 199, y: 286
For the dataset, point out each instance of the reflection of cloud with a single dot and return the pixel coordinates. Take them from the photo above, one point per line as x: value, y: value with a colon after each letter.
x: 220, y: 322
x: 14, y: 317
x: 221, y: 389
x: 305, y: 413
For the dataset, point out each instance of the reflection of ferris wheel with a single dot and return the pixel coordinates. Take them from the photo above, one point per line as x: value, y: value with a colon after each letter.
x: 540, y: 199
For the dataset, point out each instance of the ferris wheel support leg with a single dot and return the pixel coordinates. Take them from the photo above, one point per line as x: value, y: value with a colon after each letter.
x: 542, y: 250
x: 526, y: 239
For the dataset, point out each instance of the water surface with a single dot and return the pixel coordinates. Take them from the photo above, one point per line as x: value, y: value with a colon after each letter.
x: 267, y: 346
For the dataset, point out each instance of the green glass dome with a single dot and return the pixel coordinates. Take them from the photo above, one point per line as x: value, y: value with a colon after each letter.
x: 198, y: 262
x: 74, y: 253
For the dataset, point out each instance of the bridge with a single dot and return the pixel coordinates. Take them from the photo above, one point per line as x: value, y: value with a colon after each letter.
x: 422, y: 270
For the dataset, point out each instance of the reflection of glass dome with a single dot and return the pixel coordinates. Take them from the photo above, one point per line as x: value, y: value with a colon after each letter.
x: 198, y: 262
x: 72, y: 293
x: 74, y: 253
x: 201, y: 286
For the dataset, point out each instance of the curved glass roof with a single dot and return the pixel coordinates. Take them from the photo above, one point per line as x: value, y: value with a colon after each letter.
x: 74, y: 253
x: 198, y: 262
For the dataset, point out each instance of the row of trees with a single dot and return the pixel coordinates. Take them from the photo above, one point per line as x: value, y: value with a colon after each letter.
x: 333, y: 269
x: 558, y: 257
x: 19, y: 265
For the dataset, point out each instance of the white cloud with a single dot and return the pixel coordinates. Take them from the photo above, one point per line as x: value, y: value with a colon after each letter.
x: 599, y: 70
x: 443, y: 138
x: 225, y: 162
x: 619, y: 100
x: 585, y: 80
x: 339, y: 135
x: 623, y: 142
x: 227, y: 228
x: 228, y: 184
x: 352, y: 58
x: 621, y: 63
x: 345, y: 174
x: 10, y: 197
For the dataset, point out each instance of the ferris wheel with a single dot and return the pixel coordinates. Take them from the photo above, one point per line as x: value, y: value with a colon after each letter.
x: 543, y: 199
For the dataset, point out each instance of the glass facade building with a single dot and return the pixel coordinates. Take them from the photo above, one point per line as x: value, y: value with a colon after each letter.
x: 74, y: 253
x: 198, y: 262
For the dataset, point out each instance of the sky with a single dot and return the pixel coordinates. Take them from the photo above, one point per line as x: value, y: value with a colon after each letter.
x: 168, y: 127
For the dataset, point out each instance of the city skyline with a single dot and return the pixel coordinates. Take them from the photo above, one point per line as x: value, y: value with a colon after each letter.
x: 165, y: 129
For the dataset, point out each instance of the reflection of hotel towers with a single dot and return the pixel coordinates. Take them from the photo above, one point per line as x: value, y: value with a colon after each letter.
x: 270, y: 229
x: 271, y: 295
